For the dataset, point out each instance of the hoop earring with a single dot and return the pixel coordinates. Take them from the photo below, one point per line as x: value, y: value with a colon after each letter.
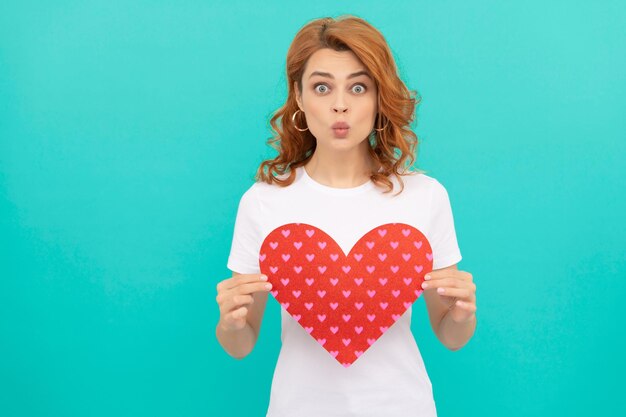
x: 293, y: 119
x: 383, y: 128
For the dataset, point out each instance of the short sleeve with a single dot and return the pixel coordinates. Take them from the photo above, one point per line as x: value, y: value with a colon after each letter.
x: 442, y: 235
x: 246, y: 244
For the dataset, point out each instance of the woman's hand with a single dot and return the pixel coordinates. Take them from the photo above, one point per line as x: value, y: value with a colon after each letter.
x: 456, y: 289
x: 234, y: 293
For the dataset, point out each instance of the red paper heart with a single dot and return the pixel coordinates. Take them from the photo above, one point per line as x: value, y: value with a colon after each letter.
x: 346, y: 302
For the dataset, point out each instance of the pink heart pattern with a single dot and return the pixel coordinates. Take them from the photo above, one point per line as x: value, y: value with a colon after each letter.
x: 346, y: 302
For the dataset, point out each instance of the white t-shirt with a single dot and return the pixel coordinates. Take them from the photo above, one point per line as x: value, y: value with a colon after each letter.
x: 389, y: 379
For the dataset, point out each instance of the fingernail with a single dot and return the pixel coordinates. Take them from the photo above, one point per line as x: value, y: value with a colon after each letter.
x: 268, y: 286
x: 441, y: 290
x: 427, y: 276
x: 424, y: 285
x: 263, y: 277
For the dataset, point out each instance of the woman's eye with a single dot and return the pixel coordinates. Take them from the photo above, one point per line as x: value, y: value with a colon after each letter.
x: 324, y: 88
x: 359, y: 89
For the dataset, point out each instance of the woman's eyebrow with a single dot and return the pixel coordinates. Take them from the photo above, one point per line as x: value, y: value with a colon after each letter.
x: 329, y: 75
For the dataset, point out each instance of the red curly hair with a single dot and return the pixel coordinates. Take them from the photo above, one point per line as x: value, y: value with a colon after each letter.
x: 391, y: 147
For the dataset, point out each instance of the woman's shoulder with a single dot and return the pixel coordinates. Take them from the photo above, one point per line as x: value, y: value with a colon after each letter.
x: 421, y: 182
x: 278, y: 176
x: 263, y: 188
x: 417, y: 177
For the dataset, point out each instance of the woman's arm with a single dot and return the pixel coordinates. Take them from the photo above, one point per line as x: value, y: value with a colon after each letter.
x: 237, y: 343
x: 453, y: 329
x: 249, y: 290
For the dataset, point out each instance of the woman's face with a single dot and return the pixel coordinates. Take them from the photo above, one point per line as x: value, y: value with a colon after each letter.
x: 336, y: 87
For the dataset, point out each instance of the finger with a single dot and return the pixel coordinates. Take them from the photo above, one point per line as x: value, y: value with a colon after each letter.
x: 471, y: 307
x: 449, y: 273
x: 241, y: 279
x: 253, y: 287
x: 449, y: 282
x: 240, y: 313
x: 462, y: 285
x: 236, y: 301
x: 240, y: 295
x: 440, y: 282
x: 455, y: 292
x: 439, y: 274
x: 236, y: 318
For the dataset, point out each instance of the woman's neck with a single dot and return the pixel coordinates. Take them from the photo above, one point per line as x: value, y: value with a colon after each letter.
x: 340, y: 172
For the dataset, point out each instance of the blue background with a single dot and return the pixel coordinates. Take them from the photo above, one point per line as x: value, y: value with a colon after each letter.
x: 129, y: 131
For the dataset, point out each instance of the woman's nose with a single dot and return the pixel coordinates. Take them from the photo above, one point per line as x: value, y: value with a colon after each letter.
x: 340, y: 103
x: 340, y: 108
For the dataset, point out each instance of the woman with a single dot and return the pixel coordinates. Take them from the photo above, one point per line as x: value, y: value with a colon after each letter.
x: 343, y: 140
